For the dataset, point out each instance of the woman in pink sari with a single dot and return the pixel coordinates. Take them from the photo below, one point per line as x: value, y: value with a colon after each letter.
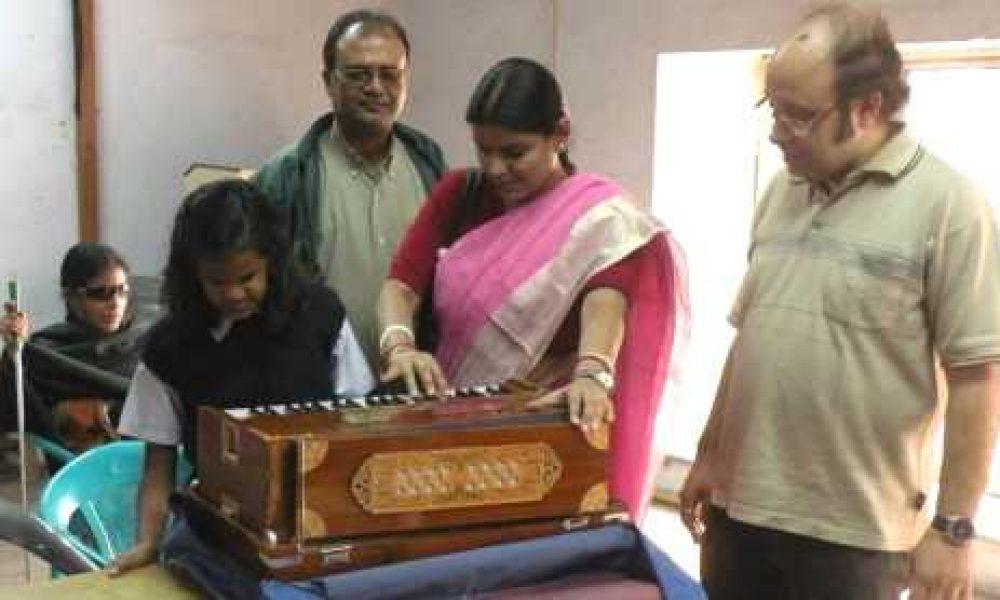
x: 537, y: 271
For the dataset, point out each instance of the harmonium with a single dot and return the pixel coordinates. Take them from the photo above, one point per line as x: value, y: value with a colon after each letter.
x: 305, y: 489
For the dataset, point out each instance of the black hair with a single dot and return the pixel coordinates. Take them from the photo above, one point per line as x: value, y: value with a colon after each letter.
x: 218, y: 219
x: 85, y: 261
x: 522, y: 95
x: 81, y: 264
x: 371, y: 21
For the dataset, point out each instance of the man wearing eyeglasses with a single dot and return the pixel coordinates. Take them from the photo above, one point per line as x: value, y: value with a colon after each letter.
x: 355, y: 180
x: 873, y: 269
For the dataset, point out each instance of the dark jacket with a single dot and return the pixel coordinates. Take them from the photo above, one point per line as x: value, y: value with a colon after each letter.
x: 253, y: 364
x: 69, y: 361
x: 292, y: 180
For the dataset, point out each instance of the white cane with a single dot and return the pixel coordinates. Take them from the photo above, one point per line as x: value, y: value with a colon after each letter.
x: 21, y: 436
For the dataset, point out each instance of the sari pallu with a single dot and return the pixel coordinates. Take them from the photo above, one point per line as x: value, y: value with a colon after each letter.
x: 502, y: 291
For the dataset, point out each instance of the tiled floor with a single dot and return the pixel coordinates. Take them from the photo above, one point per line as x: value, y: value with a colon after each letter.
x: 664, y: 527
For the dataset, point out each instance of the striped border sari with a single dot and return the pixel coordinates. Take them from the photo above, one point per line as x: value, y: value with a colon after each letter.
x: 502, y: 291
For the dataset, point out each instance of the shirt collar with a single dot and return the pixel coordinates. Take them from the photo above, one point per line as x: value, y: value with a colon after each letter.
x: 222, y: 329
x: 896, y: 156
x: 377, y: 166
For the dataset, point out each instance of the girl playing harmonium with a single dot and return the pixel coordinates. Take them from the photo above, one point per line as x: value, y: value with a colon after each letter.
x: 243, y: 327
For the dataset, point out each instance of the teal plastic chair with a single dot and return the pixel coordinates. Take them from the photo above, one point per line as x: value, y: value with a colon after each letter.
x: 56, y: 451
x: 91, y: 501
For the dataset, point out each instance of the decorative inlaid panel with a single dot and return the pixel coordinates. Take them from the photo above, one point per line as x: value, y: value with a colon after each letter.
x: 313, y: 452
x: 596, y: 499
x: 421, y: 480
x: 599, y: 438
x: 313, y: 524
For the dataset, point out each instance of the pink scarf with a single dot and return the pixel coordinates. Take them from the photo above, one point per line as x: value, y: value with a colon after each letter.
x: 502, y: 291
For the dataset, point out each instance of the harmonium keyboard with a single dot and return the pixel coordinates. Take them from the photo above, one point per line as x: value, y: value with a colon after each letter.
x: 305, y: 489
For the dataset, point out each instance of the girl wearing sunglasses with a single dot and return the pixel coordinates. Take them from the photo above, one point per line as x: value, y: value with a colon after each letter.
x: 98, y: 332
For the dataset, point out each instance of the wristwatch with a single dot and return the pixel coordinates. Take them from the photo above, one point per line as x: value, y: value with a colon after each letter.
x: 956, y: 530
x: 602, y: 378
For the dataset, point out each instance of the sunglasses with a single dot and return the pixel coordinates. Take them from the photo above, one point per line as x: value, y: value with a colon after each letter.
x: 105, y: 293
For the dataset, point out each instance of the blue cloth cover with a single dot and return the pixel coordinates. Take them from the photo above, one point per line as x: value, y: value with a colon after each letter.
x: 618, y: 548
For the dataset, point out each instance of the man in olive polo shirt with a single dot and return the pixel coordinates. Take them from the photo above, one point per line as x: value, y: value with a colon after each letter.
x: 356, y: 179
x: 873, y: 265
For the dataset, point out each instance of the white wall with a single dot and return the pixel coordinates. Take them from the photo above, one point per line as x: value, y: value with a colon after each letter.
x: 706, y: 191
x: 227, y: 81
x: 453, y: 43
x: 232, y: 80
x: 38, y: 153
x: 604, y: 52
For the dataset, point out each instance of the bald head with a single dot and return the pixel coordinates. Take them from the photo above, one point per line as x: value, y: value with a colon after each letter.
x: 812, y: 40
x: 855, y: 41
x: 833, y: 87
x: 804, y: 55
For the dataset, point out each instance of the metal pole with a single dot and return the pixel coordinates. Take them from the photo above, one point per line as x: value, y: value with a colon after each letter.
x: 18, y: 358
x: 22, y: 441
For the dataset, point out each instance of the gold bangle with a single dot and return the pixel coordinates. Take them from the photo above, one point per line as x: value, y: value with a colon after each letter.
x: 391, y: 350
x: 598, y: 358
x: 389, y: 330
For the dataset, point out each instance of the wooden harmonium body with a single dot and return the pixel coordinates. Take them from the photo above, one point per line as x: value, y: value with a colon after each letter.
x: 417, y: 474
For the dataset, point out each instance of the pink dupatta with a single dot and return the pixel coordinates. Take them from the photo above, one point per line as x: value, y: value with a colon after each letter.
x: 502, y: 291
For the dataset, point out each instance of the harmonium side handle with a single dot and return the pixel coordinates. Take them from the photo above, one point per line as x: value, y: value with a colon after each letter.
x: 230, y: 446
x: 229, y: 451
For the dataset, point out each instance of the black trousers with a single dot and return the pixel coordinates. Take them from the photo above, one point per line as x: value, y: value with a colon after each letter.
x: 741, y: 561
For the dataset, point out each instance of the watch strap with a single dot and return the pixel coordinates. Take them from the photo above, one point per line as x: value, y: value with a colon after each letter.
x: 956, y: 529
x: 601, y: 378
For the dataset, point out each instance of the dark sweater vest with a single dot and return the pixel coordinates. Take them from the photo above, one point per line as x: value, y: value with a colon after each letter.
x: 251, y: 365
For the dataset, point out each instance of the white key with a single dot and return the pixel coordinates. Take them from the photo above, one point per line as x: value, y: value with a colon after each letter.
x: 239, y: 413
